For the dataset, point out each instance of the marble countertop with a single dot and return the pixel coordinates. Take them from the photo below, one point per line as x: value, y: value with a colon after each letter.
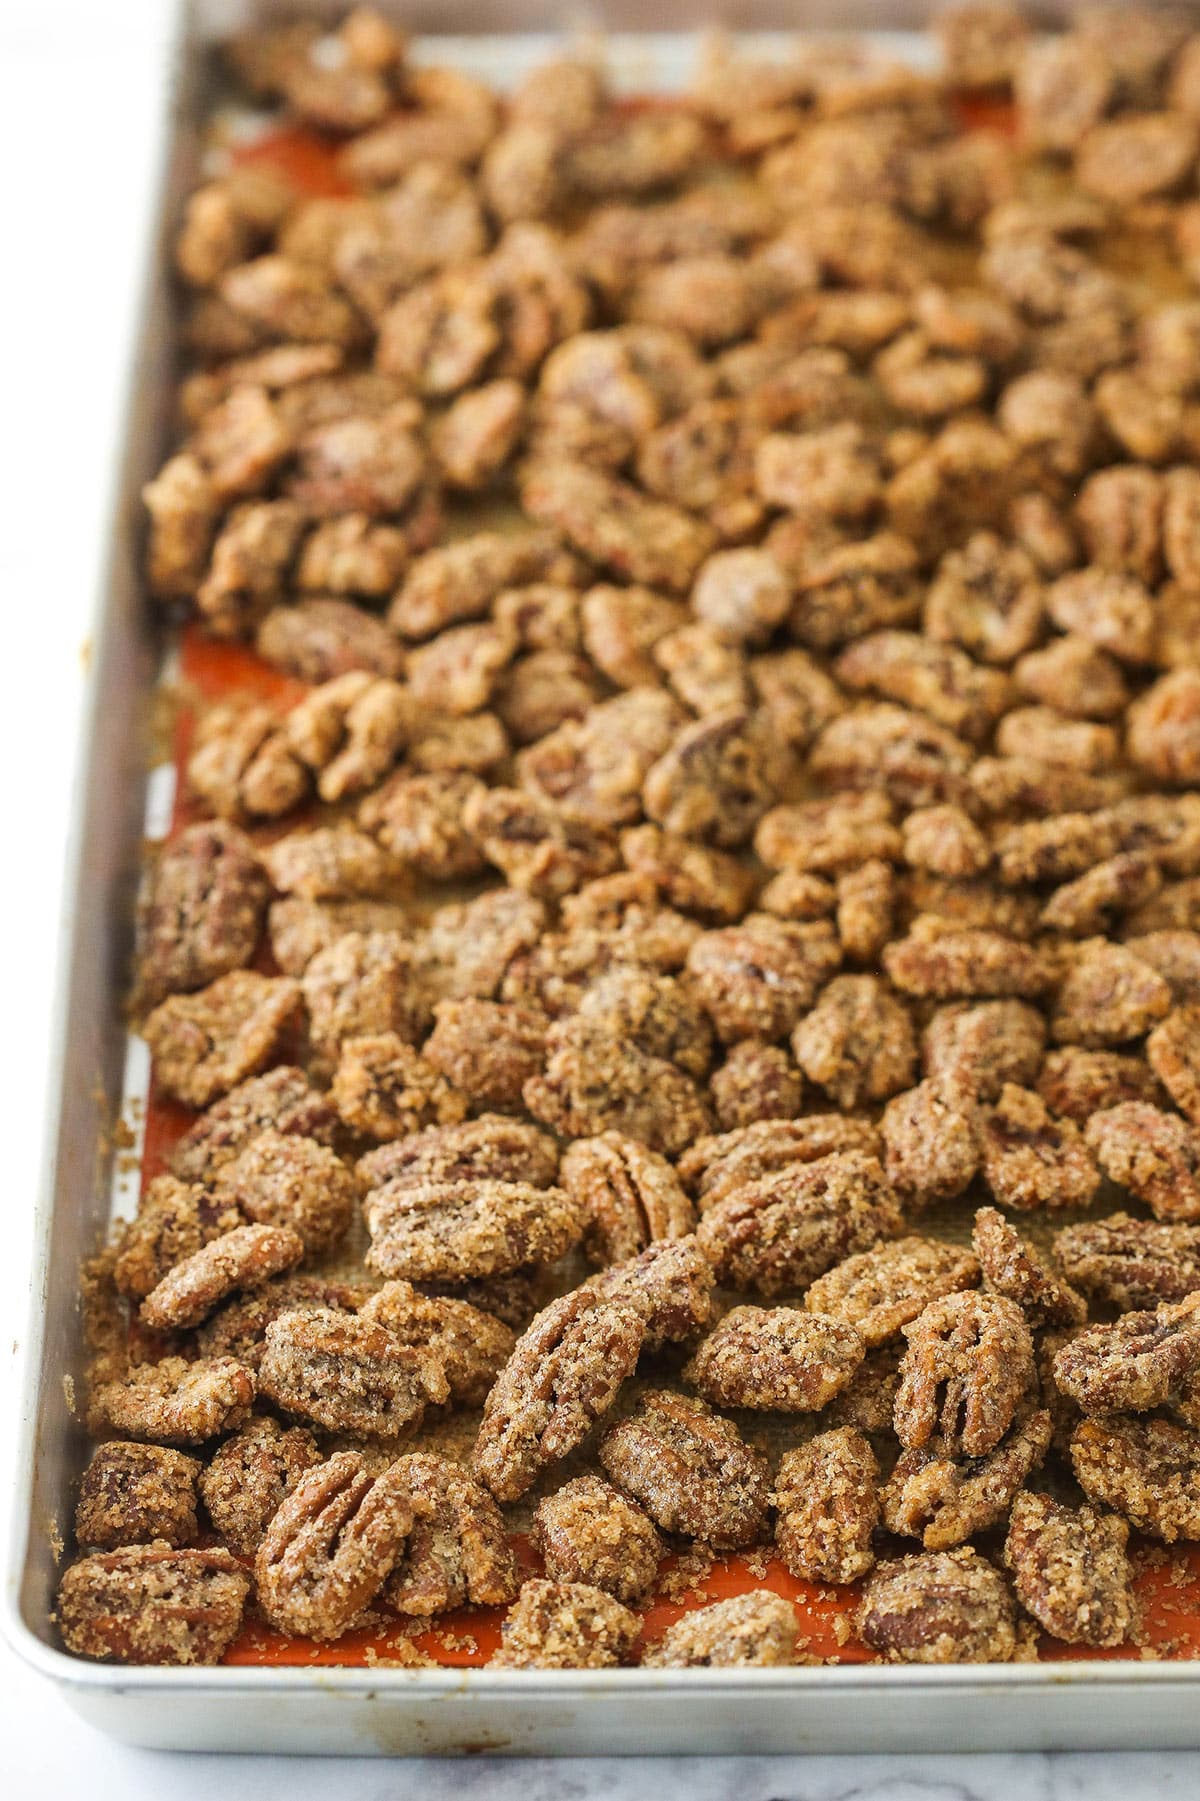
x: 77, y: 81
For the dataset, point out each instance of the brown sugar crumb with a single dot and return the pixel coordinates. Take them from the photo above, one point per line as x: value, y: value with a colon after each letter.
x: 331, y: 1546
x: 1173, y: 1052
x: 282, y: 1100
x: 690, y: 1470
x: 457, y: 1552
x: 1131, y: 1263
x: 205, y: 1044
x: 968, y: 1365
x: 970, y: 1052
x: 1144, y: 1469
x: 670, y: 1284
x: 587, y: 1532
x: 759, y: 1628
x: 882, y: 1290
x: 459, y: 1229
x: 940, y: 1607
x: 562, y: 1376
x: 200, y: 912
x: 131, y: 1494
x: 857, y: 1043
x: 596, y: 1081
x: 472, y: 1346
x: 282, y: 1179
x: 756, y: 1082
x: 347, y: 1374
x: 384, y: 1089
x: 931, y: 1147
x: 565, y: 1626
x: 1031, y: 1160
x: 487, y: 1050
x: 869, y: 1400
x: 782, y: 1231
x: 1013, y: 1267
x: 239, y: 1328
x: 251, y: 1475
x: 152, y: 1604
x: 827, y: 1497
x: 756, y: 979
x: 714, y: 1167
x: 1155, y: 1155
x: 174, y: 1401
x: 1108, y: 997
x: 242, y: 1259
x: 1132, y: 1365
x: 174, y: 1220
x: 777, y: 1358
x: 1078, y: 1083
x: 944, y: 1501
x: 1070, y: 1570
x: 630, y: 1195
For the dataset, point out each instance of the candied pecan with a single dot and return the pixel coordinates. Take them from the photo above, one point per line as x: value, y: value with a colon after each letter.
x: 251, y: 1475
x: 1107, y: 997
x: 282, y: 1100
x: 131, y: 1494
x: 827, y: 837
x: 184, y: 508
x: 1155, y: 1155
x: 914, y: 759
x: 174, y: 1401
x: 715, y: 781
x: 239, y: 1328
x: 1175, y: 954
x: 365, y: 983
x: 756, y: 979
x: 621, y: 626
x: 244, y: 1258
x: 1134, y: 1364
x: 938, y: 1607
x: 712, y: 1168
x: 1096, y: 900
x: 1054, y: 737
x: 251, y: 557
x: 1109, y: 609
x: 1074, y: 676
x: 486, y: 1051
x: 350, y: 731
x: 755, y: 1629
x: 631, y: 1196
x: 1030, y: 1159
x: 657, y: 1013
x: 1049, y: 414
x: 470, y: 948
x: 459, y: 670
x: 857, y: 1043
x: 1012, y: 1267
x: 478, y: 433
x: 870, y: 1398
x: 331, y: 863
x: 538, y: 849
x: 563, y: 1374
x: 588, y: 1532
x: 1163, y: 736
x: 384, y: 1089
x: 331, y: 1546
x: 543, y: 690
x: 242, y: 441
x: 173, y: 1221
x: 565, y: 1626
x: 742, y: 594
x: 844, y: 590
x: 350, y: 554
x: 1131, y: 1263
x: 455, y: 1230
x: 470, y: 1344
x: 200, y: 912
x: 931, y: 1145
x: 152, y: 1604
x: 945, y: 963
x: 420, y: 821
x: 1144, y: 1469
x: 690, y: 876
x: 283, y: 1179
x: 756, y: 1082
x: 347, y: 1374
x: 490, y: 1148
x: 865, y: 907
x: 613, y: 524
x: 775, y: 1358
x: 782, y: 1231
x: 456, y: 1552
x: 881, y: 1290
x: 1020, y: 784
x: 968, y: 1365
x: 690, y: 1470
x: 593, y: 769
x: 827, y: 1497
x: 971, y: 1051
x: 204, y: 1044
x: 1070, y: 1570
x: 1119, y: 515
x: 705, y: 672
x: 1173, y: 1051
x: 833, y: 471
x: 946, y: 841
x: 595, y: 1081
x: 1137, y: 157
x: 797, y: 696
x: 319, y: 639
x: 987, y: 598
x: 944, y: 1501
x: 669, y: 1283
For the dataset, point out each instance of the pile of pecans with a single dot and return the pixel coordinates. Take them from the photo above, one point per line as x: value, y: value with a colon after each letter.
x: 743, y: 825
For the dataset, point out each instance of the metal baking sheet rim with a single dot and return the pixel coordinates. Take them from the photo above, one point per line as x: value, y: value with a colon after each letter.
x: 391, y: 1712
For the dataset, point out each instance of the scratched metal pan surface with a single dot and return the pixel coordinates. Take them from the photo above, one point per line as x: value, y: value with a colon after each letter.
x: 397, y: 1711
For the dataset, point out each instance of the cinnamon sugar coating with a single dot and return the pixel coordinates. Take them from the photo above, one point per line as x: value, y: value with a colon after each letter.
x: 204, y: 1044
x: 293, y: 1183
x: 713, y: 1167
x: 1030, y: 1159
x: 174, y: 1401
x: 1131, y: 1263
x: 969, y: 1362
x: 776, y: 1358
x: 944, y: 1500
x: 200, y: 912
x: 471, y: 1345
x: 630, y: 1195
x: 565, y: 1626
x: 1070, y: 1570
x: 457, y: 1552
x: 759, y: 1628
x: 669, y: 1284
x: 1013, y: 1267
x: 131, y: 1494
x: 882, y: 1290
x: 347, y: 1374
x: 458, y: 1230
x: 1144, y: 1469
x: 690, y: 1470
x: 1134, y: 1364
x: 1154, y: 1154
x: 588, y: 1532
x: 282, y: 1099
x: 152, y: 1604
x: 827, y: 1497
x: 250, y: 1476
x: 939, y: 1607
x: 173, y: 1221
x: 245, y: 1258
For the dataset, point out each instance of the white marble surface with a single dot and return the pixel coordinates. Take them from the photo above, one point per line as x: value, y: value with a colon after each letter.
x: 76, y: 81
